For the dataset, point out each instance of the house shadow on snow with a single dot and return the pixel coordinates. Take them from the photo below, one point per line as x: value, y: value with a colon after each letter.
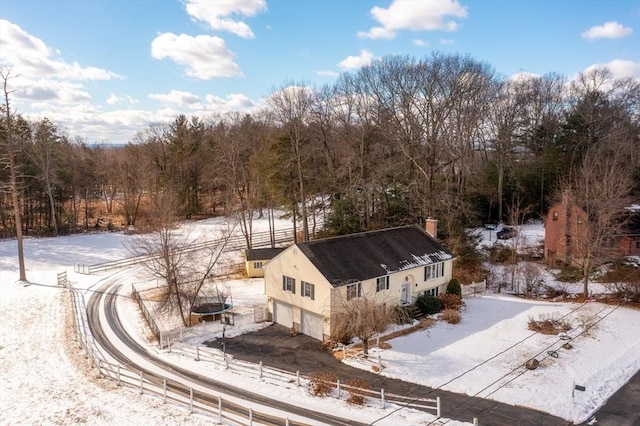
x: 478, y: 316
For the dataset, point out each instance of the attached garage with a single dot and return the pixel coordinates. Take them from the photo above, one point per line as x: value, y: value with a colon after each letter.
x: 311, y: 324
x: 283, y: 314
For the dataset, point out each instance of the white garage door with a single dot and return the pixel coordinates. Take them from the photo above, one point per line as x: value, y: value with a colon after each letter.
x: 311, y: 324
x: 283, y: 314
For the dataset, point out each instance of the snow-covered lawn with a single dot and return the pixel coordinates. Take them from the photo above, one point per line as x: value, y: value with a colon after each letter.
x: 45, y: 379
x: 484, y: 354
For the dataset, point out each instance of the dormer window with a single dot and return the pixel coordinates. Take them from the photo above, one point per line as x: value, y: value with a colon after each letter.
x: 555, y: 215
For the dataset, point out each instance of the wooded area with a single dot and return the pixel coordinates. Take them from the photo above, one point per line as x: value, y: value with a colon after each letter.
x: 394, y: 143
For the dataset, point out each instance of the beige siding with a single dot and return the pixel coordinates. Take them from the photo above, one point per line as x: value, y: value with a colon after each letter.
x: 417, y: 285
x: 253, y: 272
x: 293, y: 263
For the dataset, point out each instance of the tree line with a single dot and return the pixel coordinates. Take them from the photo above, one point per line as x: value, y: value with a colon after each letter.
x: 394, y: 143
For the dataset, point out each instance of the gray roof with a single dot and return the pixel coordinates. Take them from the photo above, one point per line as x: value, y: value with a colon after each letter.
x: 367, y: 255
x: 263, y: 253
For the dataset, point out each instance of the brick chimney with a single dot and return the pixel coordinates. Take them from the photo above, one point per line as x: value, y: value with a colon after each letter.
x: 431, y: 226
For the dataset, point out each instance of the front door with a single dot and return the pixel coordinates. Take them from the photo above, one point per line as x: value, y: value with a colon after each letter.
x: 405, y: 299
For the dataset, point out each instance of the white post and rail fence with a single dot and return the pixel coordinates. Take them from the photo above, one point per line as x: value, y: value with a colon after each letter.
x: 216, y: 406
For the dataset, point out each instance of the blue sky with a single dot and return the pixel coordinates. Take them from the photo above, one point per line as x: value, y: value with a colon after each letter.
x: 105, y: 69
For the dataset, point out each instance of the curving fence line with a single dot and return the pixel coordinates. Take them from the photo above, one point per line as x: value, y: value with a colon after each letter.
x: 172, y: 341
x: 283, y: 377
x: 170, y: 391
x: 226, y: 411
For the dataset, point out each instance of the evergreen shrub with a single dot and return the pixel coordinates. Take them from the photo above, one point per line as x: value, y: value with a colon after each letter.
x: 429, y: 304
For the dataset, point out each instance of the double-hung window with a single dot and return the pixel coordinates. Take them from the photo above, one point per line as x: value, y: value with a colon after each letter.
x: 353, y: 291
x: 382, y: 283
x: 433, y: 271
x: 308, y: 290
x: 289, y: 284
x: 257, y: 265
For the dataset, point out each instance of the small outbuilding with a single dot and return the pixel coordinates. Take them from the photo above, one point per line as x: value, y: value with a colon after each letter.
x: 256, y: 258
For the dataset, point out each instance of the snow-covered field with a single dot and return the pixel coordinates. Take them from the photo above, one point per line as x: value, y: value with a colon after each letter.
x: 45, y: 379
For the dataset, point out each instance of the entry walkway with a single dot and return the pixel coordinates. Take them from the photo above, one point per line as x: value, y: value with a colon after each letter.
x: 275, y: 347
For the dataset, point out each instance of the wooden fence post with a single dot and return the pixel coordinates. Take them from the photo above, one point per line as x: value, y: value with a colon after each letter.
x: 190, y: 400
x: 382, y: 397
x: 141, y: 383
x: 219, y: 409
x: 338, y: 386
x: 298, y: 378
x: 438, y: 411
x: 260, y: 369
x: 164, y: 391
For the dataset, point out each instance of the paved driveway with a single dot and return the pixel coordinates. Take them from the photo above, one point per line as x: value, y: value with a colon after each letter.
x: 275, y: 347
x: 623, y: 408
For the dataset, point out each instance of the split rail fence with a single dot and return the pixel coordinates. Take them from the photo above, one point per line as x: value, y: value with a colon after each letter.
x: 259, y: 239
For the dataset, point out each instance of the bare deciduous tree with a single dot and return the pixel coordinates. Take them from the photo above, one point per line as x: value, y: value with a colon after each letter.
x: 44, y: 152
x: 289, y: 106
x: 363, y: 316
x: 170, y: 258
x: 5, y: 74
x: 602, y: 188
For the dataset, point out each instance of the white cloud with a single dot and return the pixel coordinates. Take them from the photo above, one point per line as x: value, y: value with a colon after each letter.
x: 114, y: 99
x: 419, y: 42
x: 355, y: 62
x: 232, y: 102
x: 32, y: 58
x: 203, y: 56
x: 216, y: 14
x: 415, y: 16
x: 377, y: 33
x: 176, y: 97
x: 47, y: 90
x: 327, y: 73
x: 610, y: 30
x: 523, y: 76
x: 447, y: 41
x: 619, y: 68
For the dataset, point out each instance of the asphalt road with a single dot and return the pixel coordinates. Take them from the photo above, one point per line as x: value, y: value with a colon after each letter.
x: 275, y: 347
x: 623, y: 408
